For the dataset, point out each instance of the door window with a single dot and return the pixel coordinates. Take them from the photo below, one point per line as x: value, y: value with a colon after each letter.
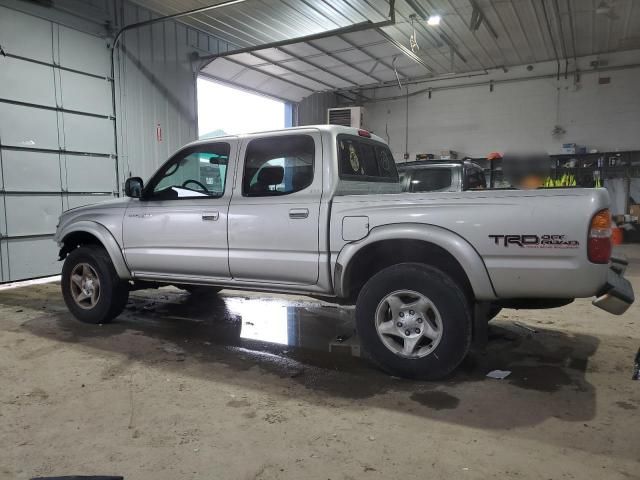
x: 278, y: 165
x: 194, y: 173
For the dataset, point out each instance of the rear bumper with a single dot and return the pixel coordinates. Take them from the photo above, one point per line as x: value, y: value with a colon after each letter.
x: 617, y: 295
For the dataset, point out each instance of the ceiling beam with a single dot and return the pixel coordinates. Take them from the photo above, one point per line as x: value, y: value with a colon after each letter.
x: 353, y: 67
x: 373, y: 57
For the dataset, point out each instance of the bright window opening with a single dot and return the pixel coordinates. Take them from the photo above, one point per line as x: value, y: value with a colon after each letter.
x: 224, y: 110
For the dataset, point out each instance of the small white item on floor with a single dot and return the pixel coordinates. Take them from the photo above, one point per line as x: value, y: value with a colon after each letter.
x: 499, y: 374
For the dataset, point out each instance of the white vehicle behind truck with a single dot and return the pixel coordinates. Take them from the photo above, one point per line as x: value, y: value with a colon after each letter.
x: 319, y: 211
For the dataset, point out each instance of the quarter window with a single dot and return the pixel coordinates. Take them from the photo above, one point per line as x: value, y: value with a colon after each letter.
x: 278, y: 165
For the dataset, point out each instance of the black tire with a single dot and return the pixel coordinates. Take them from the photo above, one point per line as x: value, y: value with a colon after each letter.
x: 494, y: 310
x: 200, y: 290
x: 114, y: 292
x: 448, y: 298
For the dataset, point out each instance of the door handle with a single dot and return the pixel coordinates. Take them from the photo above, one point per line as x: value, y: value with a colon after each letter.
x: 210, y: 216
x: 298, y: 213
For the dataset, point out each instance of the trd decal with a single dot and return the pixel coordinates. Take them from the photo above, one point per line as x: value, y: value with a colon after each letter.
x: 534, y: 241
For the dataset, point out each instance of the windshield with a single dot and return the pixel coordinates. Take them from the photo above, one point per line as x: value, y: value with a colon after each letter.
x: 430, y: 180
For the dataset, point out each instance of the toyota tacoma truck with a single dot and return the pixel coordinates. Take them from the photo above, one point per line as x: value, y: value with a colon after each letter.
x: 320, y: 211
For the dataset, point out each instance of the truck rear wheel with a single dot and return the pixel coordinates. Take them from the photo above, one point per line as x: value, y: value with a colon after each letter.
x: 414, y: 321
x: 91, y: 288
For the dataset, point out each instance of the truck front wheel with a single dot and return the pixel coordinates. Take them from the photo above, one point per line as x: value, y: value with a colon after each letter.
x: 414, y: 321
x: 91, y: 287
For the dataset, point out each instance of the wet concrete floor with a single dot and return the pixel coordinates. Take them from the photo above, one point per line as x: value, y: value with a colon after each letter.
x: 179, y: 384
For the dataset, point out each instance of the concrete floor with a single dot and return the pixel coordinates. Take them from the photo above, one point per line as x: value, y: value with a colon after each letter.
x: 268, y: 386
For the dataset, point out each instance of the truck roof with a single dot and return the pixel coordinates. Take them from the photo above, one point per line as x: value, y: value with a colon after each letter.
x: 333, y: 129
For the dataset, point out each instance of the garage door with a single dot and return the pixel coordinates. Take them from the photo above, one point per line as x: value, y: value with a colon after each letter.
x: 56, y: 136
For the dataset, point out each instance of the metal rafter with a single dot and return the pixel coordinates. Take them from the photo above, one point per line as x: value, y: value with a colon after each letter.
x: 290, y: 70
x: 318, y: 66
x: 373, y: 57
x: 331, y: 55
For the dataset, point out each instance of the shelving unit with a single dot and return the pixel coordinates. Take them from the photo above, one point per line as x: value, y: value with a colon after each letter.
x: 581, y: 166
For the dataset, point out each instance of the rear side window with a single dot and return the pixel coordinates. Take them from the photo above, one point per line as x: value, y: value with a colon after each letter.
x: 430, y: 180
x: 278, y: 165
x: 365, y: 160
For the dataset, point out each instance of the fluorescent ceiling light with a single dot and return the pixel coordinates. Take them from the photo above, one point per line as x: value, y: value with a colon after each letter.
x: 433, y: 20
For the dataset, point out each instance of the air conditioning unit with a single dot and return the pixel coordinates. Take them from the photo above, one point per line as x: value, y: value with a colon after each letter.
x: 347, y: 116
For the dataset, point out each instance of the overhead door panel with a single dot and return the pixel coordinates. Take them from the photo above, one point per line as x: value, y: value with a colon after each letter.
x: 90, y: 174
x: 31, y: 171
x: 32, y: 214
x: 83, y: 133
x: 31, y: 257
x: 28, y: 127
x: 96, y: 93
x: 57, y: 146
x: 26, y: 36
x: 22, y: 81
x: 82, y: 52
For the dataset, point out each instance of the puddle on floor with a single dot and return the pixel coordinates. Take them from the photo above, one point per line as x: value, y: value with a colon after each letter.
x: 242, y: 321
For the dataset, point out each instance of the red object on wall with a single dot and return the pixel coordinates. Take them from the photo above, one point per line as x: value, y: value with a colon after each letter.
x: 158, y: 132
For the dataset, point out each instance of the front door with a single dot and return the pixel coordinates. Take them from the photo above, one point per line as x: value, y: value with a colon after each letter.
x: 273, y: 218
x: 179, y: 226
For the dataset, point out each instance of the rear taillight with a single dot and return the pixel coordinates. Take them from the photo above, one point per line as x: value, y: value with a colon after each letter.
x: 599, y: 241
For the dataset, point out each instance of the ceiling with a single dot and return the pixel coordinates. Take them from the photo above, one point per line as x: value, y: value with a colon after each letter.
x: 509, y: 33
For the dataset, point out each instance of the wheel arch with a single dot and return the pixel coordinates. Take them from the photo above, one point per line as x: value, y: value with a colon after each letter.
x: 93, y: 233
x: 398, y: 243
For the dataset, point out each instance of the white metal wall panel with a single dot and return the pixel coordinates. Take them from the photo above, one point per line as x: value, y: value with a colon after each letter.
x: 31, y: 171
x: 95, y: 97
x: 22, y: 81
x: 25, y: 35
x: 88, y: 134
x: 89, y: 174
x: 32, y: 214
x: 28, y: 127
x: 82, y: 52
x: 31, y: 257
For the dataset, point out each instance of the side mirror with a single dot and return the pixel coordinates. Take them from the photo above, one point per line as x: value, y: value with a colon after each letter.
x: 133, y: 187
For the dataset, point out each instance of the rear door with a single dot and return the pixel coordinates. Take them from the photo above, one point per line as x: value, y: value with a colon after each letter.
x: 274, y: 212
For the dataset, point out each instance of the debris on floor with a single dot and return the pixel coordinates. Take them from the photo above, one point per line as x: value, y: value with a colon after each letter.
x: 499, y: 374
x: 525, y: 327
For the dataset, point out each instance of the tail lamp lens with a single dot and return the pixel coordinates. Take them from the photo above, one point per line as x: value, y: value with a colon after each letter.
x: 599, y: 241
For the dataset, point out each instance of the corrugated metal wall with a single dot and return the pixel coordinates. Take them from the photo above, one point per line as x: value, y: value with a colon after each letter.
x: 313, y: 109
x: 156, y: 90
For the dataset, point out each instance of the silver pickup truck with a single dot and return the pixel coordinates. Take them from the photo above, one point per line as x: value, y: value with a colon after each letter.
x: 319, y: 211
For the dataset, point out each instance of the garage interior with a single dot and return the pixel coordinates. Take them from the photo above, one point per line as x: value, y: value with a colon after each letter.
x: 255, y: 385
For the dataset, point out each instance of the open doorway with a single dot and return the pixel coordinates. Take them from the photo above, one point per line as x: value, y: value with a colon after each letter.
x: 224, y: 110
